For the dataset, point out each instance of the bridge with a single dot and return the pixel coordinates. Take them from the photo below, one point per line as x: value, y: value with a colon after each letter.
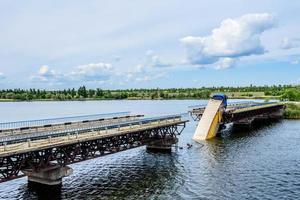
x: 213, y: 116
x: 43, y: 149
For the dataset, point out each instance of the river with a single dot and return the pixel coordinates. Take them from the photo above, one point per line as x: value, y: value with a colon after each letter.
x: 263, y: 163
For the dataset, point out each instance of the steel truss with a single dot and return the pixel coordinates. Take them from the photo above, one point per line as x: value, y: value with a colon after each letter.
x: 11, y: 166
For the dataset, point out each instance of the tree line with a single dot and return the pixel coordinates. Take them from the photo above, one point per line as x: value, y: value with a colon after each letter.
x: 285, y: 92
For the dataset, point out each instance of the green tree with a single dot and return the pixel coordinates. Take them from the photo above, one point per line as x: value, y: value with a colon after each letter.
x: 82, y: 92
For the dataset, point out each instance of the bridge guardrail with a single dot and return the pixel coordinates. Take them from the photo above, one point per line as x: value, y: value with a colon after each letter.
x: 246, y: 103
x: 229, y: 104
x: 59, y: 133
x: 53, y: 121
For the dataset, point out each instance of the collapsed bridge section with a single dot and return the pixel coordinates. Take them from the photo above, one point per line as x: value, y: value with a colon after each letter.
x: 218, y: 112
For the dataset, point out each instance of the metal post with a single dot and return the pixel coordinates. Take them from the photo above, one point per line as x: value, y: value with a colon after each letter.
x: 68, y: 136
x: 28, y: 142
x: 5, y: 146
x: 49, y: 139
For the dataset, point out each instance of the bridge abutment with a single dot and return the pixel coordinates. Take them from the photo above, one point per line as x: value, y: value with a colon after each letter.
x: 51, y: 176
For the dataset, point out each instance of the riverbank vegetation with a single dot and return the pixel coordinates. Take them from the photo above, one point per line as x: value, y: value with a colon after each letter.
x: 292, y: 111
x: 282, y: 92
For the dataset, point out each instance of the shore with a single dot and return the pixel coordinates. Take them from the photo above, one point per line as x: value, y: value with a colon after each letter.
x: 292, y: 110
x: 136, y: 98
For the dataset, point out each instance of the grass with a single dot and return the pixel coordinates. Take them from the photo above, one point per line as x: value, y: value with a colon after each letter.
x: 292, y: 111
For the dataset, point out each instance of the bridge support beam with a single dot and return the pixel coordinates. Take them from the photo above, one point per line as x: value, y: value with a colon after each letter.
x: 51, y: 176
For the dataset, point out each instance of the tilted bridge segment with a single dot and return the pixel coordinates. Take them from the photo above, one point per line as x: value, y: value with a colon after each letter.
x: 43, y: 149
x: 216, y: 114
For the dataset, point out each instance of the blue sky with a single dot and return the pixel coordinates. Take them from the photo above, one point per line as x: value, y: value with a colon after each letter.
x: 148, y: 44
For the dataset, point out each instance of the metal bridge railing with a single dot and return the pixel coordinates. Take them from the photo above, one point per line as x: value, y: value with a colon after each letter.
x: 239, y: 104
x: 53, y: 121
x: 73, y: 131
x: 229, y: 104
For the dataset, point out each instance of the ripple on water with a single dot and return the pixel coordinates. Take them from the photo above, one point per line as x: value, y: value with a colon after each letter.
x: 260, y: 164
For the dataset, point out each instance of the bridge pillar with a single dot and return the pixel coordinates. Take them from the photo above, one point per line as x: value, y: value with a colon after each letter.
x: 243, y: 124
x: 161, y: 146
x: 48, y: 176
x: 277, y: 115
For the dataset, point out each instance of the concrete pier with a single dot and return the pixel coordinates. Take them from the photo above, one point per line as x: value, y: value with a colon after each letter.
x: 163, y: 146
x: 48, y: 176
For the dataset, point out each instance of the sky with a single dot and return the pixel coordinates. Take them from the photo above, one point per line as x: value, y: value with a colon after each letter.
x: 53, y: 44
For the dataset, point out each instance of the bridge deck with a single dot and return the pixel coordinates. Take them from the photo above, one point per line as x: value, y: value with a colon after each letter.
x: 256, y: 107
x: 15, y: 135
x: 237, y: 108
x: 93, y: 132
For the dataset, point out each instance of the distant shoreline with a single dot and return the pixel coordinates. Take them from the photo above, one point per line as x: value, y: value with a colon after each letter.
x: 112, y: 99
x: 286, y: 92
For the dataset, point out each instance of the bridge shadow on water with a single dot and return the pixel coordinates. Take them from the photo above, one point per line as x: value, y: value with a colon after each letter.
x: 136, y: 175
x: 234, y: 132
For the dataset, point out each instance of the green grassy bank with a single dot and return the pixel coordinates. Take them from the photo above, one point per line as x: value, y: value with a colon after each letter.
x: 292, y: 110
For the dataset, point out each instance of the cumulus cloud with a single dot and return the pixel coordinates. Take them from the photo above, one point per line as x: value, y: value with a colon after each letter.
x: 151, y: 69
x: 154, y: 60
x: 287, y: 43
x: 233, y: 39
x: 45, y: 74
x: 225, y: 63
x: 93, y: 71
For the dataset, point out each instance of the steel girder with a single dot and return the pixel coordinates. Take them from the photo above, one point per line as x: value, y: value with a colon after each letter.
x: 11, y: 166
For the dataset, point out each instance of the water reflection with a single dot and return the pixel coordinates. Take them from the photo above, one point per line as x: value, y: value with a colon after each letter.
x: 128, y: 177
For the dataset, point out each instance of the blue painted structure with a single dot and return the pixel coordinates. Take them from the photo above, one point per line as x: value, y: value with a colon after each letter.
x: 221, y: 97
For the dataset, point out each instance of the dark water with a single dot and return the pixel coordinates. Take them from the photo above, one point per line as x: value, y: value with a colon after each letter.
x: 260, y: 164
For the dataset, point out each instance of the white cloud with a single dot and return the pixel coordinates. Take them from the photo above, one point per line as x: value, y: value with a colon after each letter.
x: 233, y: 39
x: 2, y: 76
x: 93, y: 72
x: 45, y: 73
x: 151, y: 69
x: 225, y: 63
x: 153, y: 60
x: 287, y: 43
x: 151, y: 77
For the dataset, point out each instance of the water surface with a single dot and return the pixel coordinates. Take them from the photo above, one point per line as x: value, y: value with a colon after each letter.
x: 260, y: 164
